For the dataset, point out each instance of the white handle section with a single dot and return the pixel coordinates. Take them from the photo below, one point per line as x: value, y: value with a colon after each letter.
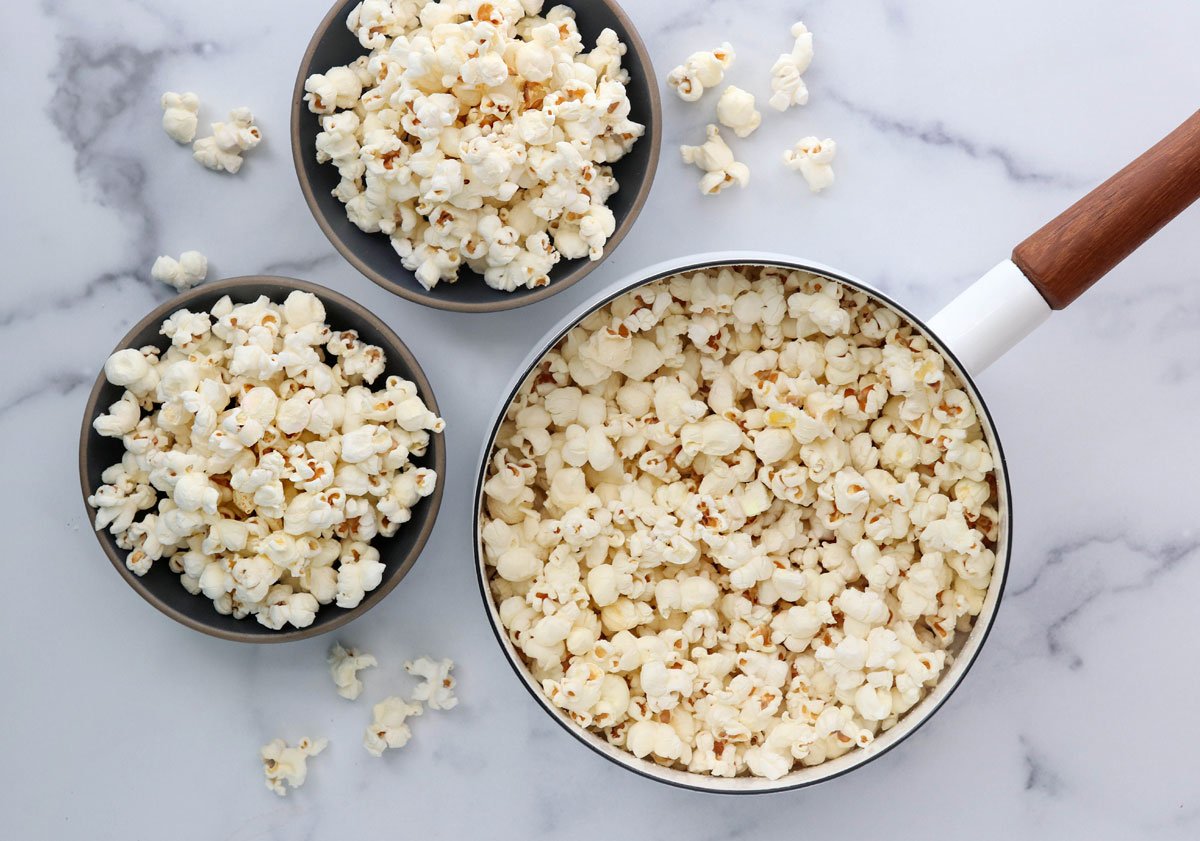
x: 990, y: 316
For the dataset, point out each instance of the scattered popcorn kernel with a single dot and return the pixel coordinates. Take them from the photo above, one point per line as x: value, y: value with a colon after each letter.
x: 787, y: 86
x: 437, y: 686
x: 701, y: 71
x: 388, y: 727
x: 285, y: 766
x: 344, y: 665
x: 715, y: 158
x: 179, y: 115
x: 222, y: 151
x: 189, y: 270
x: 813, y: 159
x: 735, y: 110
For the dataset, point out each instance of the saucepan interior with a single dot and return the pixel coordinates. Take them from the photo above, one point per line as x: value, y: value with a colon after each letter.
x: 965, y: 648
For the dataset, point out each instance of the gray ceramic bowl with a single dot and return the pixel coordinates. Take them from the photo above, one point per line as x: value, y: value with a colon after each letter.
x: 372, y: 254
x: 161, y: 587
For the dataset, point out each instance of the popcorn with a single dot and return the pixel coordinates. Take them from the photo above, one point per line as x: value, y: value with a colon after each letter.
x: 763, y: 762
x: 715, y: 158
x: 122, y: 417
x: 813, y: 159
x: 787, y: 86
x: 286, y: 766
x: 736, y: 518
x: 264, y: 463
x: 130, y: 367
x: 189, y: 270
x: 701, y: 71
x: 388, y: 728
x: 281, y: 605
x: 437, y: 688
x: 344, y: 665
x: 358, y: 576
x: 646, y: 738
x: 477, y: 135
x: 340, y: 88
x: 194, y: 492
x: 735, y: 110
x: 222, y: 151
x: 179, y: 115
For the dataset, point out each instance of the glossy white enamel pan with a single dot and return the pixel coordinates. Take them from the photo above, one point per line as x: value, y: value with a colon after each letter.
x: 1047, y: 271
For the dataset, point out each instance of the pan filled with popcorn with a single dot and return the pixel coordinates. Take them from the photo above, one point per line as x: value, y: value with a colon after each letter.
x: 475, y: 155
x: 743, y: 522
x: 262, y: 459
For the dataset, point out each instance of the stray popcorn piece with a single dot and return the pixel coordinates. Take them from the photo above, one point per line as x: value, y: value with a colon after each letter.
x: 223, y: 150
x: 179, y: 115
x: 787, y: 86
x: 258, y: 460
x: 189, y: 270
x: 206, y: 152
x: 344, y: 665
x: 288, y: 766
x: 437, y: 688
x: 735, y: 110
x: 716, y: 159
x: 388, y: 727
x: 239, y: 133
x: 701, y: 71
x: 813, y: 159
x: 477, y: 135
x: 737, y: 519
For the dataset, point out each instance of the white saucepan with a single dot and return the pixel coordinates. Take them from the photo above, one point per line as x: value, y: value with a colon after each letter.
x: 1047, y: 271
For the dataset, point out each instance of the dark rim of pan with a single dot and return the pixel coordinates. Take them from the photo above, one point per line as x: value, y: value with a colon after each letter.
x: 577, y: 731
x: 399, y: 356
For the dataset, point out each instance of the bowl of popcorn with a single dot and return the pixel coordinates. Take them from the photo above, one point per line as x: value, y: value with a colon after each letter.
x: 262, y: 459
x: 475, y: 155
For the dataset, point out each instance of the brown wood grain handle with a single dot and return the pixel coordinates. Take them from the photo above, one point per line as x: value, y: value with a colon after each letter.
x: 1081, y: 245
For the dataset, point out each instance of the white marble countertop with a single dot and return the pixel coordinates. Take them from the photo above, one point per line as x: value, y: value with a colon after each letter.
x: 962, y: 127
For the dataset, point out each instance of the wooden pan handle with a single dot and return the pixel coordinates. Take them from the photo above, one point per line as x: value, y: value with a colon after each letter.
x: 1081, y: 245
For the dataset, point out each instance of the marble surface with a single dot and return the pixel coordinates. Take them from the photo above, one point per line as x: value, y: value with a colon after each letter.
x: 962, y: 127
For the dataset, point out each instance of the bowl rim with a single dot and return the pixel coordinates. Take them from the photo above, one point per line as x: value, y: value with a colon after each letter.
x: 419, y: 295
x: 399, y: 350
x: 909, y: 723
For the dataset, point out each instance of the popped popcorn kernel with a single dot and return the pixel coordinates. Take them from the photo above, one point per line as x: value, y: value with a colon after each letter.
x: 735, y: 110
x: 222, y: 151
x: 813, y: 159
x: 287, y: 767
x: 388, y: 728
x: 179, y: 115
x: 189, y: 270
x: 787, y: 84
x: 344, y: 666
x: 702, y: 71
x: 437, y: 686
x: 716, y: 160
